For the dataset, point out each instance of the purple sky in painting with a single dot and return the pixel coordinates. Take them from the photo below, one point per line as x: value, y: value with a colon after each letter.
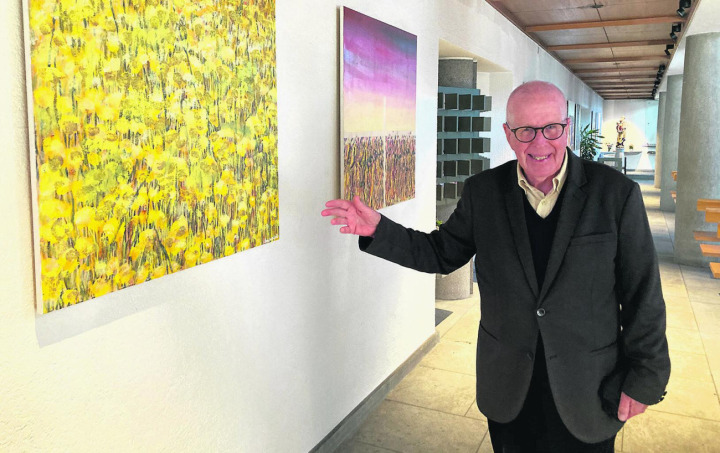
x: 379, y: 61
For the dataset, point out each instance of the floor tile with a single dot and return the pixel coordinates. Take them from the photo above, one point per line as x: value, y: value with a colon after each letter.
x: 704, y: 296
x: 452, y: 356
x: 708, y: 317
x: 684, y: 340
x: 664, y: 247
x: 701, y: 280
x: 441, y: 390
x: 695, y: 271
x: 690, y: 397
x: 680, y: 316
x: 474, y: 412
x: 486, y: 446
x: 674, y: 293
x: 711, y: 342
x: 688, y: 365
x: 466, y: 329
x: 353, y: 446
x: 667, y: 433
x: 406, y: 428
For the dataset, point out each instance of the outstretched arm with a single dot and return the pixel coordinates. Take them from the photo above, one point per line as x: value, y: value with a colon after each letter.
x: 355, y: 216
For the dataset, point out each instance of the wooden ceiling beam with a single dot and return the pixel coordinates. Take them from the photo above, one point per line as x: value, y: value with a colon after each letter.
x: 620, y: 87
x: 610, y: 82
x: 637, y: 69
x: 606, y: 23
x: 617, y: 59
x: 619, y: 78
x: 606, y: 45
x: 617, y: 93
x: 623, y: 89
x: 635, y: 82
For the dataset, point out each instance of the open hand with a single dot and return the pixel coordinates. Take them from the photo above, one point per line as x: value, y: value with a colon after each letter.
x: 357, y: 217
x: 628, y: 408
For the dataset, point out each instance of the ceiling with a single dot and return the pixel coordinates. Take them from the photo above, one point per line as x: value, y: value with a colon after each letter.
x: 617, y: 47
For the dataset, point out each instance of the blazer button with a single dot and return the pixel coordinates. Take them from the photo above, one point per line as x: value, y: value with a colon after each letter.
x: 540, y: 312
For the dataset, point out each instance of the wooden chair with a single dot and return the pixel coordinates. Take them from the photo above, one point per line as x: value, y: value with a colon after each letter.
x: 712, y: 215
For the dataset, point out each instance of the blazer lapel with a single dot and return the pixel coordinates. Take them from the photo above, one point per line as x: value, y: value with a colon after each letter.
x: 572, y: 206
x: 516, y: 214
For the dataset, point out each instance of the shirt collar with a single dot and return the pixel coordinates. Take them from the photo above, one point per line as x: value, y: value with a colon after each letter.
x: 558, y: 180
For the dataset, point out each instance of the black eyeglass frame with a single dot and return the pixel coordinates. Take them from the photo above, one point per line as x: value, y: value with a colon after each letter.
x: 536, y: 129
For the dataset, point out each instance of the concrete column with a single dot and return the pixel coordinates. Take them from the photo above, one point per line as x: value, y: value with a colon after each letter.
x: 658, y: 139
x: 457, y: 72
x: 698, y: 156
x: 671, y: 136
x: 462, y: 73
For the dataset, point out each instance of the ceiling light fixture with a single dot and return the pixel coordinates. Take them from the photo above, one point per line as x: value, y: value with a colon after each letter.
x: 668, y: 48
x: 674, y: 31
x: 684, y: 4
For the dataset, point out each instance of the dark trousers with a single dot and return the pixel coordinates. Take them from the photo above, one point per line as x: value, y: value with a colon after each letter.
x: 538, y: 427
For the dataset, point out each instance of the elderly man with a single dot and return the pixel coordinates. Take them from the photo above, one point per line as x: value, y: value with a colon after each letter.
x: 572, y: 337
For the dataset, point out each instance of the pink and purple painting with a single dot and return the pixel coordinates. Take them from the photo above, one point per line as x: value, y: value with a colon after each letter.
x: 379, y: 68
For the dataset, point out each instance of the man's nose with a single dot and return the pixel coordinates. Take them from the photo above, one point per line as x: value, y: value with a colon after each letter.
x: 539, y: 137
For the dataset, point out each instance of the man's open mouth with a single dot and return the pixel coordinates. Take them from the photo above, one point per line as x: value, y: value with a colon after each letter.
x: 539, y: 158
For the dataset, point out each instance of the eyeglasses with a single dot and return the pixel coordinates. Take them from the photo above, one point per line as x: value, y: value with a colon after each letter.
x: 526, y: 134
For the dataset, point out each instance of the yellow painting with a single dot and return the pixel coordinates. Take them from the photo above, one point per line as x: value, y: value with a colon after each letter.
x: 154, y: 139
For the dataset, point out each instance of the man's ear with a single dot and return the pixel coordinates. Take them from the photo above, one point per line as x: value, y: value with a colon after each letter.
x: 508, y: 132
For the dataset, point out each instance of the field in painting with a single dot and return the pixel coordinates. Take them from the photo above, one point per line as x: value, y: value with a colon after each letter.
x: 363, y: 169
x: 155, y: 138
x: 399, y: 168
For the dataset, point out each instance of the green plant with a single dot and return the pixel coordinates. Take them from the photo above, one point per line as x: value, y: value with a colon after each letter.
x: 589, y: 142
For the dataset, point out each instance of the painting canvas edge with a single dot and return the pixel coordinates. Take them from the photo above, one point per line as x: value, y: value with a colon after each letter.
x: 32, y: 167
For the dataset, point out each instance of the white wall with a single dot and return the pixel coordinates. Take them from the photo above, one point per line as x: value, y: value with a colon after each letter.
x: 640, y: 120
x: 263, y: 351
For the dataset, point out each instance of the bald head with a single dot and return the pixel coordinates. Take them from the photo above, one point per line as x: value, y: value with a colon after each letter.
x: 535, y: 94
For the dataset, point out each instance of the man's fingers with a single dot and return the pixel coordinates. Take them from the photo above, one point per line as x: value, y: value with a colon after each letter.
x: 629, y: 408
x: 344, y: 204
x: 339, y: 221
x: 623, y: 407
x: 337, y: 212
x: 636, y: 408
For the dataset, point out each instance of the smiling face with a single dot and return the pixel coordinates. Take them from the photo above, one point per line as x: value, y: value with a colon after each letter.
x: 537, y: 104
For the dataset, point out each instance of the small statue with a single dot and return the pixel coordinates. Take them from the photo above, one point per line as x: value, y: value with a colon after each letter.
x: 620, y: 128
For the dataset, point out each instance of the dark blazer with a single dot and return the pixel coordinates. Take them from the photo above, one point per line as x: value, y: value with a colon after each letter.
x: 600, y: 310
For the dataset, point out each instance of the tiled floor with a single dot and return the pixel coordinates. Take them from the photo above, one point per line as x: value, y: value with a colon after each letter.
x: 433, y: 408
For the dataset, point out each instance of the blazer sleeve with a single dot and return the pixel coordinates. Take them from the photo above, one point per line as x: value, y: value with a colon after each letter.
x: 642, y: 305
x: 441, y: 251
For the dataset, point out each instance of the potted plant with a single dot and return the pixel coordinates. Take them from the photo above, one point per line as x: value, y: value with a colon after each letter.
x: 589, y: 142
